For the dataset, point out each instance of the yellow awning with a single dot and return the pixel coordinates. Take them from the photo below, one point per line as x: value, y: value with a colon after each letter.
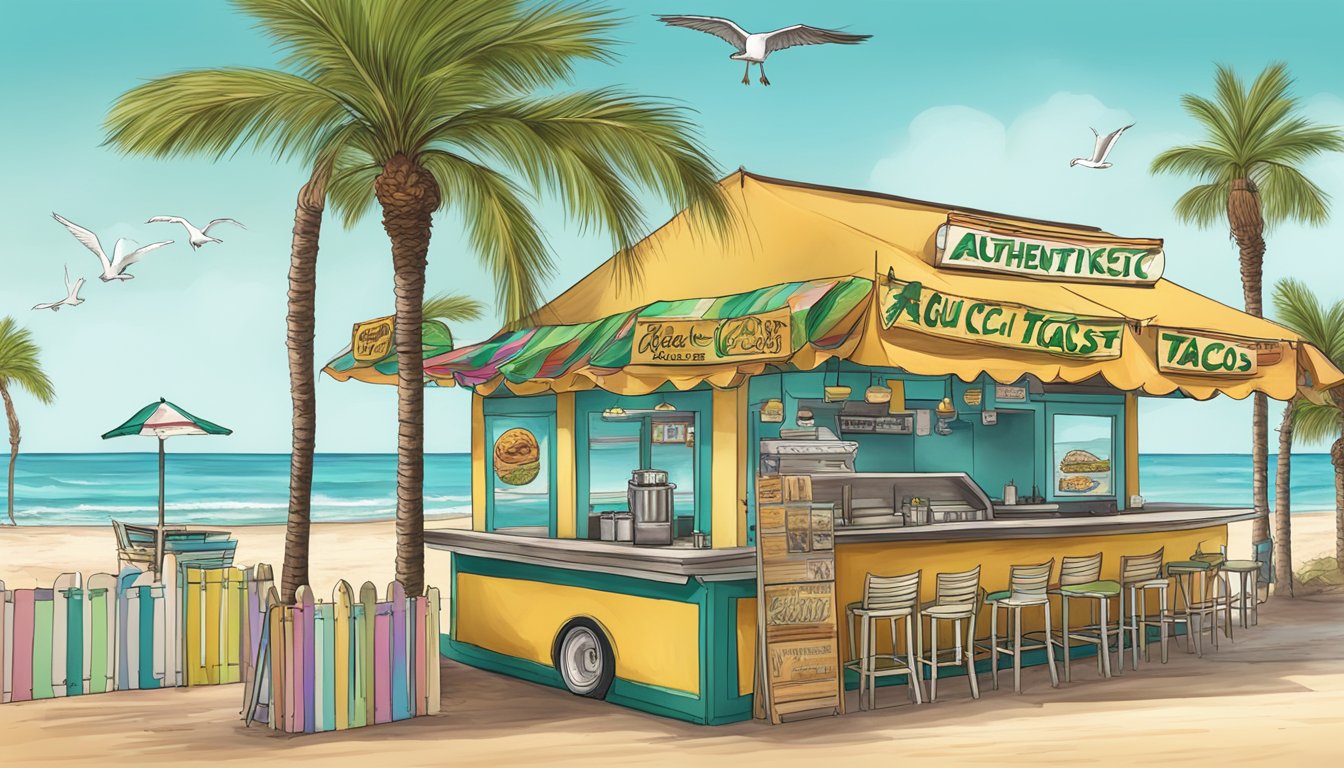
x: 788, y: 231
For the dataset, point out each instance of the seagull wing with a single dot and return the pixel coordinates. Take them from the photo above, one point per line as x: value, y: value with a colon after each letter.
x: 67, y: 277
x: 84, y: 236
x: 1104, y: 145
x: 723, y: 29
x: 168, y: 219
x: 206, y: 229
x: 801, y: 34
x: 74, y: 294
x: 127, y: 259
x: 50, y: 305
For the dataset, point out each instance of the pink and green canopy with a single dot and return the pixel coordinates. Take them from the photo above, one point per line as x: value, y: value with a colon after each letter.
x: 435, y: 338
x: 823, y: 313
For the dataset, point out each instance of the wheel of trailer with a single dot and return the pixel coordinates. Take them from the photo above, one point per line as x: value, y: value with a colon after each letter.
x: 584, y: 659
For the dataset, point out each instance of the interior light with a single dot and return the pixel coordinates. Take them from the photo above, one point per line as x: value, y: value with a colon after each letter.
x: 947, y: 413
x: 664, y: 406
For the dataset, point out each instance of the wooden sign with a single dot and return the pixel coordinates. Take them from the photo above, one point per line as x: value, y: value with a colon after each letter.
x: 800, y: 671
x: 673, y: 341
x: 1186, y: 352
x: 913, y: 306
x: 967, y: 242
x: 1006, y: 393
x: 371, y: 340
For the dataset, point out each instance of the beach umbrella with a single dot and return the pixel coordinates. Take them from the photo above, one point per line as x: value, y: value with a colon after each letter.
x: 370, y: 357
x: 164, y: 420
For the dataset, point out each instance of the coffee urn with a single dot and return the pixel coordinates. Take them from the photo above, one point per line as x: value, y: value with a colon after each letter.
x: 650, y: 497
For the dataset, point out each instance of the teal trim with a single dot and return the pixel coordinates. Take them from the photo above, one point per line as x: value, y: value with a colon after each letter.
x: 523, y: 412
x: 606, y: 582
x: 511, y: 406
x: 1115, y: 410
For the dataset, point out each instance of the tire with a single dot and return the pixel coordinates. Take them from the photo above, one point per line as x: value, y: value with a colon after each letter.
x: 582, y: 655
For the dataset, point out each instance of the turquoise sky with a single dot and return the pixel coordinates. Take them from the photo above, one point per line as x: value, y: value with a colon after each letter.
x: 973, y: 103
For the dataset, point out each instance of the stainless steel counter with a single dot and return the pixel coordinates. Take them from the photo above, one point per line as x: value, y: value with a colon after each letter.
x: 1152, y: 518
x: 675, y: 564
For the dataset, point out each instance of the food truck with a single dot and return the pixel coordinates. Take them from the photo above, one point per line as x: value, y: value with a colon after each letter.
x: 960, y: 387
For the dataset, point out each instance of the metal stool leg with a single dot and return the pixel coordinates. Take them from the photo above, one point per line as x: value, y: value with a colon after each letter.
x: 970, y: 658
x: 912, y: 666
x: 994, y: 645
x: 864, y: 662
x: 1068, y: 645
x: 933, y: 657
x: 1120, y: 641
x: 1050, y: 648
x: 1162, y: 623
x: 1104, y: 650
x: 1017, y: 649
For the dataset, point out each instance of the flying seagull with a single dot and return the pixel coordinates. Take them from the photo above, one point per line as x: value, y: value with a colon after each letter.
x: 72, y: 298
x: 754, y: 48
x: 116, y: 268
x: 1101, y: 150
x: 198, y: 237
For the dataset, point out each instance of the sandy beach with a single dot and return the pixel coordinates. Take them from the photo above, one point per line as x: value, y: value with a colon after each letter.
x: 1274, y: 693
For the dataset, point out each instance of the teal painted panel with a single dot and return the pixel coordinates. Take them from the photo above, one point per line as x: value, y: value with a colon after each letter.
x: 532, y: 504
x: 626, y: 585
x: 496, y: 405
x: 1001, y: 453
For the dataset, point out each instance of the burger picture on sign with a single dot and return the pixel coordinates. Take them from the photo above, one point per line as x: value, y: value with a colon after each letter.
x: 517, y: 457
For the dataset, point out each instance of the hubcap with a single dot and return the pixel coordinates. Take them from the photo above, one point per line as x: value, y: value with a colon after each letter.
x: 581, y: 660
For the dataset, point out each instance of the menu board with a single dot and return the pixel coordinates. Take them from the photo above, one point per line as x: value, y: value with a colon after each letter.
x: 800, y: 665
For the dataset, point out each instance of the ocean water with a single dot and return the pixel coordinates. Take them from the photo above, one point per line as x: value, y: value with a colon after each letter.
x: 91, y: 489
x: 222, y: 489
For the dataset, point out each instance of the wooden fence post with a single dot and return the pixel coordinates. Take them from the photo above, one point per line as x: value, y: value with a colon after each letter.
x: 102, y: 594
x: 368, y: 598
x: 432, y: 598
x: 344, y: 667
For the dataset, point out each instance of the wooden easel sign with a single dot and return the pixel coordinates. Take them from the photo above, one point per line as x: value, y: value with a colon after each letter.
x: 799, y: 672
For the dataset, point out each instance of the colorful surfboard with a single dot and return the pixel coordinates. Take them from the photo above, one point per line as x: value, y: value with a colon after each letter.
x: 21, y: 669
x: 382, y: 663
x: 368, y: 599
x: 433, y: 630
x: 342, y: 665
x: 60, y: 627
x: 102, y: 600
x: 401, y: 702
x: 43, y: 615
x: 327, y: 671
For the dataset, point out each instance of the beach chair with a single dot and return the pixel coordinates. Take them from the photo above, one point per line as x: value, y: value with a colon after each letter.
x: 199, y: 548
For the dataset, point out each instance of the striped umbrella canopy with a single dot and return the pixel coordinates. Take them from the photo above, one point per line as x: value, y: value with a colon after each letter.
x: 164, y: 420
x: 822, y: 311
x: 436, y: 338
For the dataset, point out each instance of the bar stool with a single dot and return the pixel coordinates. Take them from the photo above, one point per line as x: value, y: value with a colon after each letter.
x: 957, y: 599
x: 1080, y: 579
x: 1248, y: 587
x: 885, y: 598
x: 1215, y: 598
x: 1140, y: 574
x: 1028, y: 587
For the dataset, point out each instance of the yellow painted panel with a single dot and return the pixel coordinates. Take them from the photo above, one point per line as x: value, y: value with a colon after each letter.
x: 478, y: 454
x: 654, y: 641
x: 853, y: 561
x: 566, y: 521
x: 1131, y: 448
x: 746, y: 645
x: 723, y: 495
x: 214, y: 589
x: 194, y: 663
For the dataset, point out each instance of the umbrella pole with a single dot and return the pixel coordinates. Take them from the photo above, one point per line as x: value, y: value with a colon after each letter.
x: 158, y: 538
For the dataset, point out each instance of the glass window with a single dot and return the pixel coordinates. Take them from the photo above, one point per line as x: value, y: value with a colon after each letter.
x: 520, y: 473
x: 674, y: 451
x: 613, y: 453
x: 1082, y: 455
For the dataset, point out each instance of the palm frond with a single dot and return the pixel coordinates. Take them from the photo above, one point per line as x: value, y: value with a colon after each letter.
x: 19, y: 363
x: 1288, y: 195
x: 1314, y: 423
x: 452, y: 308
x: 1203, y: 205
x: 500, y: 228
x: 214, y: 111
x: 1298, y: 308
x: 350, y: 191
x: 592, y: 149
x: 1203, y: 160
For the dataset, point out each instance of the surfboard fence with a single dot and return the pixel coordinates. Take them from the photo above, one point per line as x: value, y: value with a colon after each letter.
x: 198, y: 626
x: 348, y: 663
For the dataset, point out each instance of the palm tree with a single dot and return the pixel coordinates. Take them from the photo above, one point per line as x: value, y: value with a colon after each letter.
x: 1299, y: 309
x: 452, y: 309
x: 19, y: 366
x: 424, y: 106
x: 1283, y: 495
x: 1249, y: 166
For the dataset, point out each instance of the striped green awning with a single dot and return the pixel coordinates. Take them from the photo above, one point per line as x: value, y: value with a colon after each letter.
x: 436, y: 339
x: 822, y: 314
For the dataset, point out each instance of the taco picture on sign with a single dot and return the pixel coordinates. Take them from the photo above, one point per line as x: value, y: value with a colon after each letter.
x: 517, y: 457
x: 1076, y: 462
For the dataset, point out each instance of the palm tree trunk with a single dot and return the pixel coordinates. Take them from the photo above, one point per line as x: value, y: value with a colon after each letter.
x: 1248, y: 229
x: 1283, y: 533
x: 13, y: 445
x: 409, y: 196
x: 299, y: 325
x: 1337, y: 458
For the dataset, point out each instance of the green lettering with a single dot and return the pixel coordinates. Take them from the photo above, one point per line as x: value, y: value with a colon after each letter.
x: 1015, y: 255
x: 1191, y: 354
x: 1174, y: 342
x: 1029, y: 333
x: 965, y: 247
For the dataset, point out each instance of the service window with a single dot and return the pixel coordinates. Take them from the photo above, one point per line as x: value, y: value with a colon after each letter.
x: 1083, y: 461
